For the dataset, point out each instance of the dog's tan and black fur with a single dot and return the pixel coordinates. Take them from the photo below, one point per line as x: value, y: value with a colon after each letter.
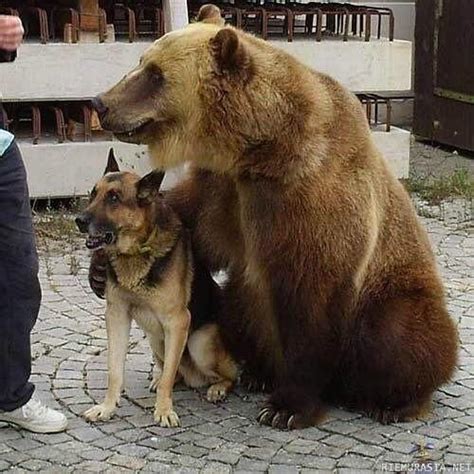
x: 150, y: 280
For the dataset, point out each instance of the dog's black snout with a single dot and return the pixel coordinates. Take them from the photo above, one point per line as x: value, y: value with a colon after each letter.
x: 99, y: 106
x: 83, y: 222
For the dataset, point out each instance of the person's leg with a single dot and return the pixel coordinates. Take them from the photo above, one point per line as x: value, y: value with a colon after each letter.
x: 20, y: 297
x: 20, y: 293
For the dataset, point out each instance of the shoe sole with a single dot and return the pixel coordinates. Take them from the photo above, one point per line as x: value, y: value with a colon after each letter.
x: 34, y: 429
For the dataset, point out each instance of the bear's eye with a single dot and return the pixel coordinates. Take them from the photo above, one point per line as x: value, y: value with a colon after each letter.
x: 155, y: 72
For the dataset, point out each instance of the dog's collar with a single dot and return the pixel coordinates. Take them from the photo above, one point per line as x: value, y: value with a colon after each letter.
x: 148, y: 246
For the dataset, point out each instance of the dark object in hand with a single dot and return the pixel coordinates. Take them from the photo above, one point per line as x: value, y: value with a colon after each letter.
x: 98, y: 273
x: 7, y: 56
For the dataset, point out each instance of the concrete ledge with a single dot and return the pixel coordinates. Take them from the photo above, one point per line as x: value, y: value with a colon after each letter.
x: 395, y: 147
x: 376, y: 65
x: 78, y: 71
x: 71, y: 169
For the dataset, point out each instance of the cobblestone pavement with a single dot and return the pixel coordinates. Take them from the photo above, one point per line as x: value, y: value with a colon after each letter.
x: 69, y: 348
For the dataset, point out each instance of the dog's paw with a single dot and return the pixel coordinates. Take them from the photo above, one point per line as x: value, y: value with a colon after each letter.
x: 167, y: 418
x: 100, y: 412
x: 217, y: 392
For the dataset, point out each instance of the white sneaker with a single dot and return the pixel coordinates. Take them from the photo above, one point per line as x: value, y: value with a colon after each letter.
x: 36, y: 417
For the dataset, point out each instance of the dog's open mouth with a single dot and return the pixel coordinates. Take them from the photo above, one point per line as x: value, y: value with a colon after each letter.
x: 98, y: 241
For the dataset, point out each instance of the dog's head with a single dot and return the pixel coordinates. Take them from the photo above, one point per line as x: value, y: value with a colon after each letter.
x: 122, y: 208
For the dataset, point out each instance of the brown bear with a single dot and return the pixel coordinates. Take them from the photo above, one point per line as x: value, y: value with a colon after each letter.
x: 332, y: 295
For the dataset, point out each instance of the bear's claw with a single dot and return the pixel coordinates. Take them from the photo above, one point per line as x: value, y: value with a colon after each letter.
x: 282, y: 419
x: 254, y: 384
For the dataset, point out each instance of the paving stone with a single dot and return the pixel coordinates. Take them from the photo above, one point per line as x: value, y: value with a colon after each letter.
x: 126, y: 461
x: 261, y: 453
x: 344, y: 470
x: 355, y: 462
x: 301, y: 446
x: 318, y: 471
x: 283, y: 469
x: 228, y: 453
x: 94, y: 454
x: 340, y: 441
x: 216, y: 468
x: 159, y: 443
x: 24, y: 444
x: 250, y: 465
x: 209, y: 442
x: 86, y: 434
x: 190, y: 450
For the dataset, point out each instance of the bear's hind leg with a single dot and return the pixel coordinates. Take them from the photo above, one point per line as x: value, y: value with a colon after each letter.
x: 419, y: 409
x: 404, y: 350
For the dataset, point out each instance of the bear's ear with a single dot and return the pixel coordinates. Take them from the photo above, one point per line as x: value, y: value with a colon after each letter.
x: 230, y: 54
x: 112, y: 165
x: 149, y: 186
x: 210, y: 14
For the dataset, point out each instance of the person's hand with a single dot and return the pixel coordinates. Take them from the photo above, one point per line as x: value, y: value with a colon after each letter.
x: 98, y: 273
x: 11, y: 32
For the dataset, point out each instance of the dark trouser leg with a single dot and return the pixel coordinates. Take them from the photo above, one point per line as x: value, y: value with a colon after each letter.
x: 20, y: 292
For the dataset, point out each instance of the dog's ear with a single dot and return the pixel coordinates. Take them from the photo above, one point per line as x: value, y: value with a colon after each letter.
x: 210, y: 14
x: 112, y: 165
x: 149, y: 186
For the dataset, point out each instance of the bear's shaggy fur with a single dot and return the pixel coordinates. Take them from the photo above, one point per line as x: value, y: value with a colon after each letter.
x: 333, y: 295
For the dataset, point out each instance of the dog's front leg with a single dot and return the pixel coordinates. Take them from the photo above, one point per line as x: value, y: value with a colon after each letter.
x: 118, y: 332
x: 176, y: 328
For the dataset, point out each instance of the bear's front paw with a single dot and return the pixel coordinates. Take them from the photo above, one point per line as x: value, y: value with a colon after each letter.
x: 281, y: 419
x: 290, y: 409
x: 254, y: 383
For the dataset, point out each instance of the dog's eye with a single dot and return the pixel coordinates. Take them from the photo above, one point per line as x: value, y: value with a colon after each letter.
x: 113, y: 197
x: 93, y: 194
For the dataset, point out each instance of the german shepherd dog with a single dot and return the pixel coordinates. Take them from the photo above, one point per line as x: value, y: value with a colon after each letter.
x: 150, y: 280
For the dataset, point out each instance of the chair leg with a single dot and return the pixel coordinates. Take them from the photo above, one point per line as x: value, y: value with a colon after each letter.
x: 368, y: 26
x: 345, y: 19
x: 264, y: 25
x: 319, y: 25
x: 86, y: 111
x: 60, y: 124
x: 44, y: 29
x: 132, y: 25
x: 102, y: 25
x: 36, y: 118
x: 291, y: 25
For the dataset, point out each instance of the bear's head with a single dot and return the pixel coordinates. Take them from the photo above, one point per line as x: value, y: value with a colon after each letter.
x: 209, y: 93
